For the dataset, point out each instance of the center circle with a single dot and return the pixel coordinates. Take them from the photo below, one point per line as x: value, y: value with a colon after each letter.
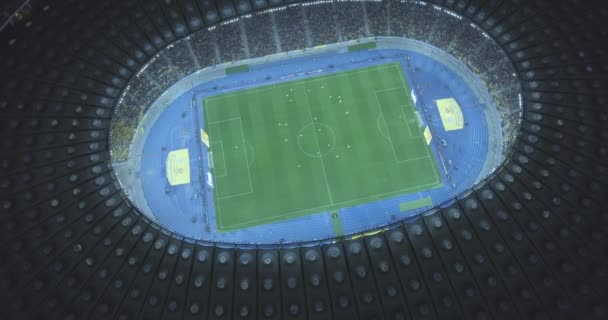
x: 316, y: 139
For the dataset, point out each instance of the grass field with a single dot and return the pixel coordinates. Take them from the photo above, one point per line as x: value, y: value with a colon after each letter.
x: 314, y: 145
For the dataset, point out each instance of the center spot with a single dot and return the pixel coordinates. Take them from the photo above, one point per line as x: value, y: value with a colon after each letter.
x: 316, y: 139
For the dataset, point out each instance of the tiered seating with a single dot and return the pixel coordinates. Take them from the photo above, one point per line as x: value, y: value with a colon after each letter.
x: 529, y: 242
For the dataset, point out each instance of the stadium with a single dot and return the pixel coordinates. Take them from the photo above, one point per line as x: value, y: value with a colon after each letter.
x: 175, y: 162
x: 395, y: 159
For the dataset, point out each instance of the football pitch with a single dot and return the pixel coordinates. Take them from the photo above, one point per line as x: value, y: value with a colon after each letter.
x: 313, y: 145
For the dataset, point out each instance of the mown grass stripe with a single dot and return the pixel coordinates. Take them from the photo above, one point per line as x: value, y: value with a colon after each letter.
x: 237, y: 69
x: 362, y: 46
x: 336, y: 223
x: 416, y: 204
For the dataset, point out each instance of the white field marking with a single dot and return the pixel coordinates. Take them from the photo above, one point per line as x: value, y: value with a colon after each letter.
x: 283, y: 84
x: 390, y: 89
x: 225, y: 120
x: 252, y: 153
x: 235, y: 195
x: 381, y: 117
x: 245, y: 151
x: 418, y: 118
x: 391, y: 140
x: 326, y: 206
x: 401, y: 75
x: 405, y: 120
x: 246, y: 161
x: 387, y: 130
x: 246, y: 158
x: 318, y: 209
x: 343, y: 203
x: 221, y: 144
x: 331, y: 200
x: 413, y: 159
x: 318, y: 155
x: 400, y: 106
x: 215, y: 192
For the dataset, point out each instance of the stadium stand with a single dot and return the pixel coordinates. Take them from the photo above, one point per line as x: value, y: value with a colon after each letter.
x: 528, y: 242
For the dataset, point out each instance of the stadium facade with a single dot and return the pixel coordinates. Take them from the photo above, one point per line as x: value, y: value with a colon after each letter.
x: 526, y: 240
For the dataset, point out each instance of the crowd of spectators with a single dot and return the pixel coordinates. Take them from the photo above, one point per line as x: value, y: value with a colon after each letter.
x: 180, y: 57
x: 350, y: 21
x: 139, y: 96
x: 377, y: 18
x: 321, y: 21
x: 229, y: 40
x: 204, y: 48
x: 259, y: 32
x: 473, y: 48
x: 317, y: 24
x: 297, y: 37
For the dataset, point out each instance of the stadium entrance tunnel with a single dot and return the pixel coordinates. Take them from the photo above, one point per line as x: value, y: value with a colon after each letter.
x: 312, y: 143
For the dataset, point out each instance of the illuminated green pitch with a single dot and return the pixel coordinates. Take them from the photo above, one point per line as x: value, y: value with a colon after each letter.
x: 314, y: 145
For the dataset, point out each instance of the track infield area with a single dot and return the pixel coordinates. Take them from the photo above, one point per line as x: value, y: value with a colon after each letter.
x: 308, y: 146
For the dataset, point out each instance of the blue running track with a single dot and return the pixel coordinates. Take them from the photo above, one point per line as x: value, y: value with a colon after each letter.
x: 188, y: 209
